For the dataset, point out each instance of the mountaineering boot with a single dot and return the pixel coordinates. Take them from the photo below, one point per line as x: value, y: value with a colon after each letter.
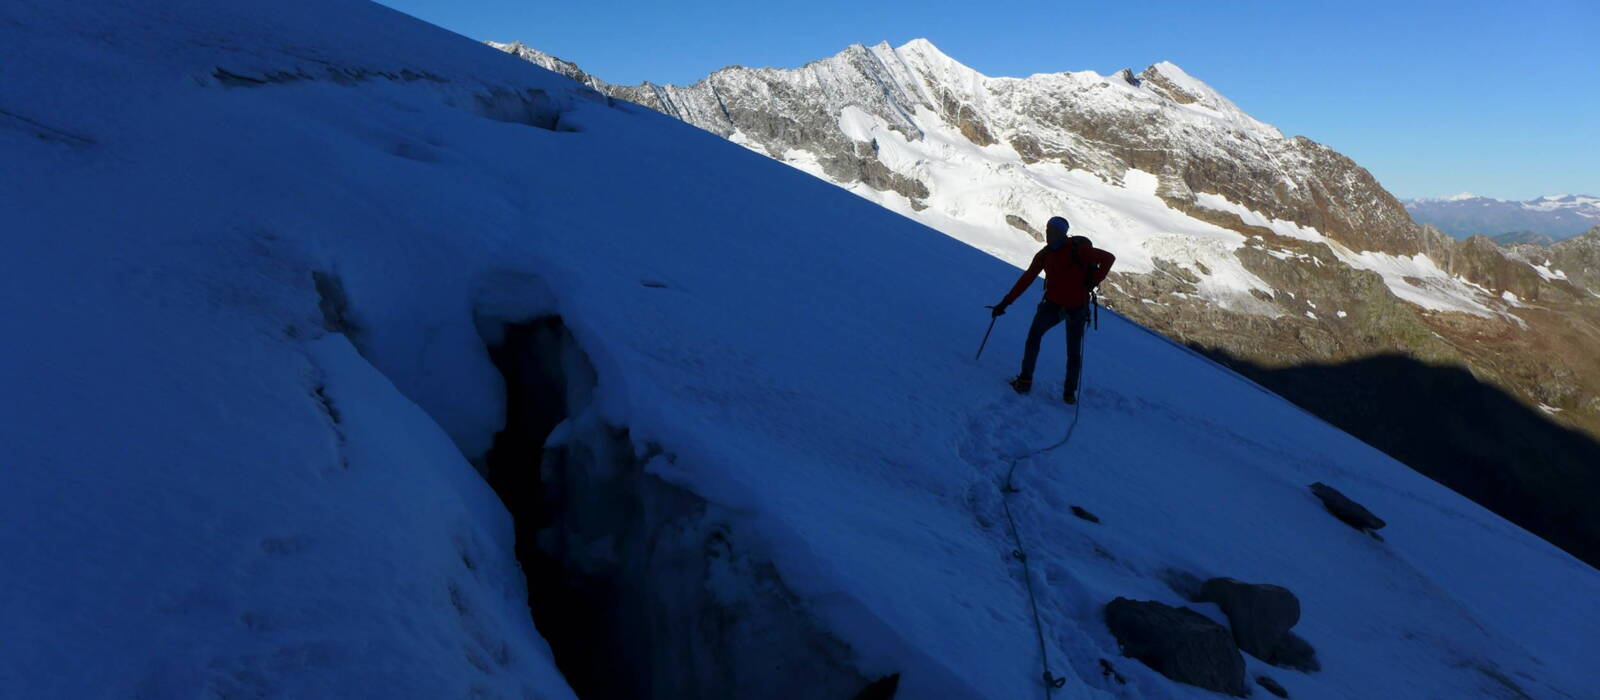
x: 1069, y: 396
x: 1022, y: 384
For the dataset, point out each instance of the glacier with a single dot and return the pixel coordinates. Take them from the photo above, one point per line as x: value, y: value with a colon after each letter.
x: 264, y: 264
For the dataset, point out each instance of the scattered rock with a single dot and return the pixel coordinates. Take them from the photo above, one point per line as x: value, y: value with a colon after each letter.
x: 1296, y: 653
x: 1272, y: 686
x: 334, y: 304
x: 1353, y: 514
x: 1022, y: 225
x: 1109, y: 671
x: 1260, y: 613
x: 1086, y: 515
x: 1183, y: 583
x: 1178, y: 643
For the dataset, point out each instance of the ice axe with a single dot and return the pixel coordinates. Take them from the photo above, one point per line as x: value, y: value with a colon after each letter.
x: 986, y: 333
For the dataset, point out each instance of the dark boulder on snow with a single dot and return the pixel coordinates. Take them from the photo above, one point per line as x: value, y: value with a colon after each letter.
x: 1182, y: 582
x: 1296, y: 653
x: 882, y: 689
x: 1353, y: 514
x: 1272, y: 686
x: 1178, y: 643
x: 1260, y: 613
x: 1109, y: 671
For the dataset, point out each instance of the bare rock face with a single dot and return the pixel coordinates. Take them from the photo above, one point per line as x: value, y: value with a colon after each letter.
x: 1179, y: 643
x: 1479, y: 258
x: 1579, y: 258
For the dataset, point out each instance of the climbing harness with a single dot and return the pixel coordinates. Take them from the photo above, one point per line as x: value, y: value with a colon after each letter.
x: 1052, y: 682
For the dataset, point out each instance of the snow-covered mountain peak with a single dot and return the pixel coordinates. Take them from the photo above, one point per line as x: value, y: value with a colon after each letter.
x: 1171, y: 71
x: 921, y: 52
x: 923, y: 46
x: 1172, y: 82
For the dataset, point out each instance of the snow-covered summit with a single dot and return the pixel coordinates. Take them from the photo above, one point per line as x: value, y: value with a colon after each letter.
x: 1186, y: 89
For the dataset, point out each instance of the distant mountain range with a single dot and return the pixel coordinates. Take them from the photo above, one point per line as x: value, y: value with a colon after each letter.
x: 1557, y: 216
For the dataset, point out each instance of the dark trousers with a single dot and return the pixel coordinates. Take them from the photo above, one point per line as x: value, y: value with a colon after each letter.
x: 1048, y: 315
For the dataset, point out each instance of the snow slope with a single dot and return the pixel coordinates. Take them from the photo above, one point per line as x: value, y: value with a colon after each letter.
x: 212, y: 491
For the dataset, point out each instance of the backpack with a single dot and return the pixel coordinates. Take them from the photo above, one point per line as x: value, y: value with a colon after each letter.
x: 1078, y: 243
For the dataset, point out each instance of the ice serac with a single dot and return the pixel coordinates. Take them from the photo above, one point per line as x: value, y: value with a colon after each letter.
x: 272, y: 323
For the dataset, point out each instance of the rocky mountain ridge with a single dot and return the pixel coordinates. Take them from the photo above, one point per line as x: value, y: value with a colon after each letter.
x: 1263, y: 249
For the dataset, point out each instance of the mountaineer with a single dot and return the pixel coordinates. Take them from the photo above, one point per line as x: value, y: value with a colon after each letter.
x: 1072, y: 267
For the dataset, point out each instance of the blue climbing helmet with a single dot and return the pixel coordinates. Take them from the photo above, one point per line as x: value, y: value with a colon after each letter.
x: 1055, y: 232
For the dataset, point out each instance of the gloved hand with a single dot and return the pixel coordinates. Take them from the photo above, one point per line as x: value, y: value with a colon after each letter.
x: 998, y: 310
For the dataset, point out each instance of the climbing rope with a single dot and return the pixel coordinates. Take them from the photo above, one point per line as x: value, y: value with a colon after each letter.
x: 1051, y: 681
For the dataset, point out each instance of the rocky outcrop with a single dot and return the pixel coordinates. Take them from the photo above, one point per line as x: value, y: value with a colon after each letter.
x: 1022, y: 225
x: 548, y: 62
x: 1346, y: 510
x: 1178, y: 643
x: 1481, y: 260
x: 1579, y: 258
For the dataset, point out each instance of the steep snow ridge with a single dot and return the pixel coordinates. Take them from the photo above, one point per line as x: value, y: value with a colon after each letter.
x: 1205, y: 96
x: 246, y: 380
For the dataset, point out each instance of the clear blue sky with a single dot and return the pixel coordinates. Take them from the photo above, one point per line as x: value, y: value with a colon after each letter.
x: 1497, y: 98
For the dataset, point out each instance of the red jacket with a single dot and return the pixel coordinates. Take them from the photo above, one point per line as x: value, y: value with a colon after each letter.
x: 1068, y: 276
